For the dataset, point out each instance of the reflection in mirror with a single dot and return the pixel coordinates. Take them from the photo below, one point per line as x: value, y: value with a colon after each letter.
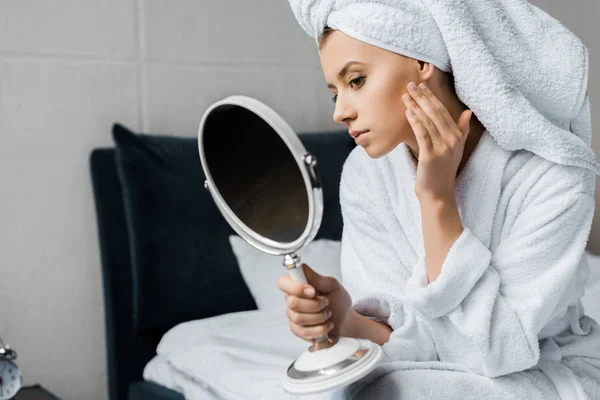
x: 255, y: 173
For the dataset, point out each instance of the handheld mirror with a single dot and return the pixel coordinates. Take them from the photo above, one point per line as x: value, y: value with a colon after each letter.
x: 261, y: 177
x: 267, y: 187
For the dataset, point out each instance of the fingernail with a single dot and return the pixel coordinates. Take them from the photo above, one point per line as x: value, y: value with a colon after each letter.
x: 328, y: 313
x: 309, y: 291
x: 412, y: 86
x: 325, y: 302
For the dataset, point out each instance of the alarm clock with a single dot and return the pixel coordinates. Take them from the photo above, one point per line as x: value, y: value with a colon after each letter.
x: 10, y: 374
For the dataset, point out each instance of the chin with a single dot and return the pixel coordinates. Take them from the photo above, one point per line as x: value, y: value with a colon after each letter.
x: 375, y: 152
x: 378, y: 148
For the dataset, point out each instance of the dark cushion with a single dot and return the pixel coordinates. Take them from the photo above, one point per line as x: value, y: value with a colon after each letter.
x: 183, y: 265
x: 146, y: 390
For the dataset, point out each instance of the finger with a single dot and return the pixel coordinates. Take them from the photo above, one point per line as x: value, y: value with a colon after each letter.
x: 322, y: 283
x: 421, y: 134
x: 308, y: 319
x: 464, y: 122
x: 311, y: 332
x: 426, y: 113
x: 299, y: 304
x: 442, y: 118
x: 424, y: 122
x: 290, y: 286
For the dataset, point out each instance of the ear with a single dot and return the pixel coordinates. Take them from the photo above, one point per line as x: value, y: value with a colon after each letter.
x: 427, y: 70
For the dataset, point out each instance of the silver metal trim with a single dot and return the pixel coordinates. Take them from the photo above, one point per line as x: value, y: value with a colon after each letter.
x: 343, y: 365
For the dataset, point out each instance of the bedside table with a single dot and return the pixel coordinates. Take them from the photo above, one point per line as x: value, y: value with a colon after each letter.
x: 34, y: 392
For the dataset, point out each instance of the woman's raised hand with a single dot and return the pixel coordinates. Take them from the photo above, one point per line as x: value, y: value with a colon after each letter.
x: 441, y: 141
x: 312, y: 315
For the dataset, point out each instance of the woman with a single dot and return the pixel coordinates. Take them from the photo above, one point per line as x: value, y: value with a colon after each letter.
x: 438, y: 261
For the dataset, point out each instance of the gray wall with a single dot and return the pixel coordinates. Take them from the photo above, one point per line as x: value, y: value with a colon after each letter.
x: 68, y: 70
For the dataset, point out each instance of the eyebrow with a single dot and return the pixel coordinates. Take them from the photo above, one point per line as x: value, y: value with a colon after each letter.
x: 344, y: 70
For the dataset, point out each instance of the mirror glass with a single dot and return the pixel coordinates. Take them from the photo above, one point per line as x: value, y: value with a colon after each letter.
x: 255, y: 173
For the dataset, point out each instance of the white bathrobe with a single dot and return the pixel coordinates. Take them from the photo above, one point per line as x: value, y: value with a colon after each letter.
x: 504, y: 318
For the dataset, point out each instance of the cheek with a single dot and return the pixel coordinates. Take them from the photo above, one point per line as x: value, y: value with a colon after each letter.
x: 395, y: 116
x: 387, y: 109
x: 393, y: 105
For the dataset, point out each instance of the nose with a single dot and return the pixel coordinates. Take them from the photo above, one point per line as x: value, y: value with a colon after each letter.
x: 342, y: 111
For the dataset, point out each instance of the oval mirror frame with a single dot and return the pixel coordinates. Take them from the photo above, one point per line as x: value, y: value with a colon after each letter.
x: 307, y: 165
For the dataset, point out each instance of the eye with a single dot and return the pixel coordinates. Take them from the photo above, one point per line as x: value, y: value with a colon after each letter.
x: 358, y: 81
x: 360, y: 78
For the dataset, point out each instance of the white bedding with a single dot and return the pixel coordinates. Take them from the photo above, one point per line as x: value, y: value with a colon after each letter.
x: 241, y: 355
x: 245, y: 355
x: 591, y: 298
x: 158, y: 370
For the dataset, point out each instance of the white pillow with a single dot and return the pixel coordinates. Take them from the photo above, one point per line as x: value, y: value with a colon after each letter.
x: 261, y: 271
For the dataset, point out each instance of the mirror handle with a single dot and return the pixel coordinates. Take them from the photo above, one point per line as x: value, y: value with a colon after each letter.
x: 294, y: 267
x: 297, y: 274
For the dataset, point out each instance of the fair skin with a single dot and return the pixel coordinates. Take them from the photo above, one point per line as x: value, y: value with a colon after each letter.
x: 441, y: 134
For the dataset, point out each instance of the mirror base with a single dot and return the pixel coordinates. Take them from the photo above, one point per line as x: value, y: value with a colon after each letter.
x: 341, y: 364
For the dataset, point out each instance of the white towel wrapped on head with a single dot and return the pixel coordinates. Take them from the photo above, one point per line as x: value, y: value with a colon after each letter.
x: 521, y: 71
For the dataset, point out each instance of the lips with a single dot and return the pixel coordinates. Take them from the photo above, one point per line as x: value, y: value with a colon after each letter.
x: 355, y: 134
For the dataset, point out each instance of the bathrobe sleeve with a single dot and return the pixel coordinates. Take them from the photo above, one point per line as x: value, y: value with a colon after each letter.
x: 485, y: 310
x: 410, y: 340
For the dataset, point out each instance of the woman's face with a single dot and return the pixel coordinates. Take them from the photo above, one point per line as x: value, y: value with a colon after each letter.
x: 369, y: 96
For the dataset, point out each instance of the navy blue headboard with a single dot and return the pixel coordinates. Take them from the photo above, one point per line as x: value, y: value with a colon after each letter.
x: 128, y: 350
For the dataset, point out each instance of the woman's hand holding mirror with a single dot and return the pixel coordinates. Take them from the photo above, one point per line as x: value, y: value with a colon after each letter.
x: 314, y: 315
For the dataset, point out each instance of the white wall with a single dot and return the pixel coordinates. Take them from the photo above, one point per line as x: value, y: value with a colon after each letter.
x: 68, y: 70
